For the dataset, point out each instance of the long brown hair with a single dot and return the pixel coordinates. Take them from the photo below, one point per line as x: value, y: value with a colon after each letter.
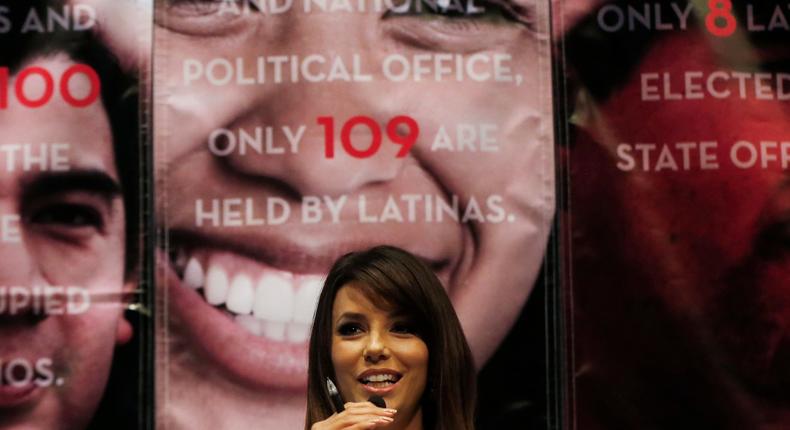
x: 394, y: 279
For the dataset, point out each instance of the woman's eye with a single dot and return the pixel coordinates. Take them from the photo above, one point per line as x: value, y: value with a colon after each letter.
x: 403, y: 328
x: 486, y: 12
x: 349, y: 329
x: 67, y: 215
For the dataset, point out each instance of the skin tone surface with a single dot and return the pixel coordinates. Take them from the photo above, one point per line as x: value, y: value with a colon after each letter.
x: 71, y: 233
x: 255, y: 373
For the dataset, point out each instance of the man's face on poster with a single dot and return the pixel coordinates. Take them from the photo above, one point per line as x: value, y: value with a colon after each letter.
x: 63, y: 232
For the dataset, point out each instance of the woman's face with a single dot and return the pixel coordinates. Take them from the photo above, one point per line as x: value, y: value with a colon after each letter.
x: 63, y: 227
x: 264, y: 226
x: 376, y: 352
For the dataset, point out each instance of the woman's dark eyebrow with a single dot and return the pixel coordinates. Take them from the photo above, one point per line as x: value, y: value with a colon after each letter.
x: 87, y: 180
x: 353, y: 316
x: 399, y: 314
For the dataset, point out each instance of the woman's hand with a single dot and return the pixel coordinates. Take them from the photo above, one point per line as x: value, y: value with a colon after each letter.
x: 357, y: 416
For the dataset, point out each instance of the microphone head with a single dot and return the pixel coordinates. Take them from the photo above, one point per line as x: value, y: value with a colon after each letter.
x: 378, y: 401
x: 330, y: 386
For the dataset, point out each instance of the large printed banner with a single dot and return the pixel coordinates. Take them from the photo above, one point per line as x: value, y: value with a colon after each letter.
x: 678, y: 214
x: 290, y: 132
x: 70, y: 223
x: 287, y: 133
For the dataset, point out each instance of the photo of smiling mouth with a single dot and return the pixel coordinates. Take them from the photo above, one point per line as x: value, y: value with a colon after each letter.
x: 248, y: 308
x: 277, y: 305
x: 27, y: 372
x: 12, y: 395
x: 249, y: 317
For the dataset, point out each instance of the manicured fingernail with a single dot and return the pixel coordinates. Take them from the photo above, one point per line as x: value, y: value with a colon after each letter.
x: 386, y: 420
x: 392, y: 411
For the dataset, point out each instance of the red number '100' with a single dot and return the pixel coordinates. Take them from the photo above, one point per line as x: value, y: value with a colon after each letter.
x: 401, y: 130
x: 49, y: 86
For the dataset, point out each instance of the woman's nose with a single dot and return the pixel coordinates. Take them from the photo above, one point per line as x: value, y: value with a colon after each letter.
x: 376, y: 349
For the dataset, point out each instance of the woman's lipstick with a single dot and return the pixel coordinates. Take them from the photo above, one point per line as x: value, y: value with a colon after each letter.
x: 385, y: 380
x: 382, y: 391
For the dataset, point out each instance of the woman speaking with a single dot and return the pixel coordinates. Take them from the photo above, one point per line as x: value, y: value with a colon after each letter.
x: 385, y: 329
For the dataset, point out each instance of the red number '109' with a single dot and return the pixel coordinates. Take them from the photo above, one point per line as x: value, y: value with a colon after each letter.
x: 401, y: 130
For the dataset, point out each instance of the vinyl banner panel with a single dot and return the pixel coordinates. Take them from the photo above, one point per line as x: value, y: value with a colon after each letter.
x: 70, y: 223
x: 291, y: 132
x: 678, y: 214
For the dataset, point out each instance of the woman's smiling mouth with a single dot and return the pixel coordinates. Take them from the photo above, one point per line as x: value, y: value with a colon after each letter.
x: 379, y: 381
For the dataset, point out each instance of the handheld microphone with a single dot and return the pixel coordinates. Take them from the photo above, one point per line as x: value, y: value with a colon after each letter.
x: 378, y: 401
x: 337, y: 401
